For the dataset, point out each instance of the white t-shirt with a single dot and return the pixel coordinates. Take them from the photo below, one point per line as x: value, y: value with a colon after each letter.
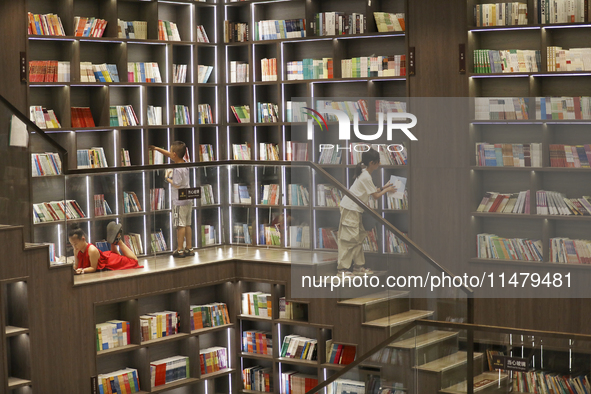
x: 362, y: 188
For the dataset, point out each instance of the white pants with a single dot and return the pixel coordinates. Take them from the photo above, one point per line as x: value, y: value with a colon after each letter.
x: 350, y: 242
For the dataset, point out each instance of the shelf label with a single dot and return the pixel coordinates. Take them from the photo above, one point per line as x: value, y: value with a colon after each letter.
x: 462, y: 58
x: 94, y: 385
x: 411, y: 61
x: 23, y: 66
x: 510, y: 363
x: 190, y: 193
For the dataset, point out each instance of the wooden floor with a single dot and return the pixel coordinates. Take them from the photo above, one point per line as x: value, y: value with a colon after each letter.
x: 166, y: 262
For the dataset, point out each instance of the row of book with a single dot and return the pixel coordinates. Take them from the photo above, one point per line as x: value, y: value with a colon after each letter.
x: 297, y: 195
x: 207, y: 196
x: 44, y: 164
x: 267, y: 113
x: 268, y: 69
x: 182, y: 115
x: 351, y: 108
x: 270, y: 194
x: 394, y: 244
x: 328, y: 196
x: 235, y: 32
x: 132, y: 29
x: 213, y: 359
x: 201, y: 34
x: 574, y: 59
x: 204, y: 115
x: 98, y: 72
x: 119, y: 382
x: 206, y: 152
x: 155, y: 157
x: 168, y: 31
x: 122, y: 115
x: 257, y: 303
x: 310, y: 69
x: 571, y: 156
x: 509, y: 155
x: 240, y: 194
x: 169, y: 370
x: 208, y: 235
x: 506, y: 203
x: 327, y: 238
x: 299, y: 347
x: 209, y: 315
x: 370, y: 242
x: 349, y: 386
x: 374, y: 66
x: 269, y: 235
x: 559, y: 108
x: 388, y: 22
x: 491, y: 246
x: 299, y: 236
x: 339, y: 23
x: 89, y: 27
x: 545, y: 382
x: 154, y: 115
x: 258, y: 378
x: 112, y: 334
x: 134, y: 242
x: 241, y: 151
x: 101, y: 206
x: 239, y: 71
x: 49, y: 71
x: 296, y: 112
x: 500, y: 14
x: 159, y: 325
x: 242, y: 234
x: 555, y: 203
x: 81, y: 117
x: 203, y: 73
x: 141, y: 72
x: 45, y: 25
x: 296, y: 151
x: 44, y: 118
x: 509, y: 108
x: 131, y: 203
x: 338, y: 353
x: 241, y: 113
x: 392, y: 155
x: 570, y: 251
x: 291, y: 310
x: 386, y: 106
x: 257, y: 342
x: 297, y: 383
x: 91, y: 158
x: 179, y: 73
x: 158, y: 242
x: 269, y: 151
x: 279, y: 29
x: 506, y: 61
x: 57, y: 210
x: 561, y: 11
x: 157, y: 199
x: 330, y: 155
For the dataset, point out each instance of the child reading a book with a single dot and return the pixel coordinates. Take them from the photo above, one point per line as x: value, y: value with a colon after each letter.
x: 351, y: 232
x: 88, y: 258
x: 182, y: 210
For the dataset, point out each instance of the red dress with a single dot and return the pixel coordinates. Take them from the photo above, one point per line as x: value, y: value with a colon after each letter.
x: 107, y: 260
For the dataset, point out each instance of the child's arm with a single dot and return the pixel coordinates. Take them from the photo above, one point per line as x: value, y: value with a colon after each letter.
x: 388, y: 188
x: 93, y: 256
x: 163, y: 151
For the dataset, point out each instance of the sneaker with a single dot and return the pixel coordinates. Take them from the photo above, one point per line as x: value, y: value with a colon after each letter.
x: 344, y: 272
x: 114, y: 232
x: 189, y: 252
x: 360, y: 270
x: 178, y: 253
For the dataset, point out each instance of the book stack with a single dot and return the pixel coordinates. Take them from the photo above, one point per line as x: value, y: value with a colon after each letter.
x: 239, y: 71
x: 385, y: 106
x: 125, y: 160
x: 337, y: 353
x: 339, y: 23
x: 310, y: 69
x: 131, y: 203
x: 157, y: 199
x: 182, y: 115
x: 209, y: 315
x: 44, y: 164
x: 201, y: 34
x: 235, y: 32
x: 112, y: 334
x: 394, y: 244
x: 241, y: 113
x: 506, y: 203
x: 270, y: 194
x: 257, y: 342
x: 143, y: 72
x: 82, y: 117
x: 298, y: 347
x: 509, y: 108
x: 169, y: 370
x: 370, y: 243
x: 242, y: 234
x: 506, y: 61
x: 491, y: 246
x: 44, y: 118
x: 122, y: 115
x: 51, y: 248
x: 269, y: 151
x: 45, y: 25
x: 291, y: 310
x: 328, y: 196
x: 257, y: 303
x: 299, y: 236
x: 132, y: 29
x: 267, y: 113
x: 559, y: 108
x: 269, y: 235
x: 159, y: 325
x: 555, y: 203
x: 168, y: 31
x: 258, y: 379
x: 101, y: 206
x: 49, y: 71
x: 179, y: 73
x: 155, y: 157
x: 351, y: 108
x: 134, y: 242
x: 241, y: 194
x: 207, y: 196
x: 208, y: 235
x: 500, y: 14
x: 268, y: 69
x: 204, y: 114
x: 296, y: 151
x: 279, y: 29
x: 203, y: 73
x: 89, y: 27
x: 387, y: 22
x: 57, y: 210
x: 330, y: 155
x: 91, y: 158
x: 154, y: 116
x: 241, y: 151
x: 374, y: 66
x: 327, y: 238
x: 297, y: 383
x: 392, y: 202
x: 157, y: 242
x: 570, y: 251
x: 297, y: 195
x: 510, y: 155
x: 98, y: 72
x: 295, y: 111
x: 213, y: 359
x: 206, y: 152
x: 561, y: 11
x: 119, y: 382
x: 341, y: 386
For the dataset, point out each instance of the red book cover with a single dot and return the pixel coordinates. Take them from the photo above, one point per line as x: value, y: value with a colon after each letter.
x: 160, y: 375
x: 337, y: 357
x: 88, y: 120
x: 348, y: 355
x: 126, y: 382
x: 202, y: 363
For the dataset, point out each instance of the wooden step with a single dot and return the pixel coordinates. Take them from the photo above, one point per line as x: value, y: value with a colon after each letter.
x: 424, y: 340
x: 447, y: 362
x: 375, y: 298
x: 399, y: 318
x: 485, y: 382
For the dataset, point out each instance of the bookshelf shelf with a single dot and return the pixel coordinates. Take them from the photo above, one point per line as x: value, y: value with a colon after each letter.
x: 170, y: 338
x: 218, y: 374
x: 295, y: 361
x: 212, y: 329
x: 116, y: 350
x: 530, y: 263
x: 173, y: 385
x: 253, y: 318
x: 256, y: 356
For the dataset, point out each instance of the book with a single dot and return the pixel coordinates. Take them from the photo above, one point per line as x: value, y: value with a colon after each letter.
x: 209, y: 315
x: 82, y: 117
x: 52, y: 211
x: 207, y: 195
x: 206, y: 152
x: 241, y: 151
x: 241, y: 113
x: 132, y: 29
x: 122, y: 115
x: 213, y: 359
x: 168, y: 31
x: 109, y: 382
x: 351, y: 108
x: 158, y: 242
x: 49, y: 71
x: 112, y: 334
x: 387, y: 22
x: 337, y: 23
x: 242, y: 233
x: 45, y: 25
x: 89, y: 26
x: 374, y: 66
x: 295, y: 111
x: 235, y: 32
x: 134, y: 242
x: 570, y: 251
x: 506, y: 202
x: 101, y: 206
x: 257, y: 342
x: 296, y: 151
x: 269, y: 151
x: 270, y: 194
x: 298, y: 236
x: 258, y: 378
x: 509, y: 155
x: 91, y: 158
x: 169, y: 370
x: 208, y: 235
x: 98, y: 72
x: 267, y: 113
x: 342, y: 354
x: 506, y: 61
x: 157, y: 199
x: 491, y: 246
x: 159, y: 325
x: 394, y: 244
x: 297, y: 195
x: 297, y: 382
x: 182, y: 115
x: 204, y: 114
x: 503, y: 108
x: 256, y: 303
x: 131, y: 203
x: 201, y: 34
x: 154, y: 116
x: 561, y: 11
x: 143, y: 72
x: 203, y: 73
x: 179, y: 73
x: 328, y: 195
x: 327, y: 238
x: 268, y: 69
x: 239, y: 71
x: 279, y: 29
x: 310, y: 69
x: 46, y: 164
x: 500, y: 14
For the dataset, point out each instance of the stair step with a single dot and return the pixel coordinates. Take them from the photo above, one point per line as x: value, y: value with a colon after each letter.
x: 423, y: 340
x: 375, y: 298
x: 447, y: 362
x: 481, y: 383
x: 400, y: 318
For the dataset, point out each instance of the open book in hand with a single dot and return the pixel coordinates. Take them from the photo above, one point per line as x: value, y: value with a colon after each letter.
x: 400, y: 184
